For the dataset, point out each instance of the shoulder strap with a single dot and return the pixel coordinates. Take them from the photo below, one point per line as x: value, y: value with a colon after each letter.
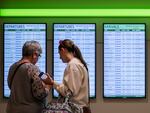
x: 15, y: 72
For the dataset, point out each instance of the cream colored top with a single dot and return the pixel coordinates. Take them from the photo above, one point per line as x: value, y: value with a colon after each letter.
x: 76, y: 80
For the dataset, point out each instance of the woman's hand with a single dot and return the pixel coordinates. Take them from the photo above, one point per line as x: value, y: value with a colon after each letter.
x: 48, y: 80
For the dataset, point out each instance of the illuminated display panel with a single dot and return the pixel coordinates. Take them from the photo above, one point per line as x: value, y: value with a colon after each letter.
x: 83, y: 36
x: 15, y: 35
x: 124, y: 61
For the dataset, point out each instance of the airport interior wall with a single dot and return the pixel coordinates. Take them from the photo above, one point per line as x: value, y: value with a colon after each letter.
x: 98, y: 104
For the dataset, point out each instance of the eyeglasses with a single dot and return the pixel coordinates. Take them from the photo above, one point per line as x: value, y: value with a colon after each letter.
x: 38, y: 55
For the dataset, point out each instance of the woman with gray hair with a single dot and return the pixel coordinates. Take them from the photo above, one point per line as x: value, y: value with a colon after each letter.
x: 28, y: 91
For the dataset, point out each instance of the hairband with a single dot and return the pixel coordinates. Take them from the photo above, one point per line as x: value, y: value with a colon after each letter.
x: 61, y: 43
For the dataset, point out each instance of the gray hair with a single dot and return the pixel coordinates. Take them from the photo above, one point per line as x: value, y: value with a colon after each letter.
x: 30, y: 47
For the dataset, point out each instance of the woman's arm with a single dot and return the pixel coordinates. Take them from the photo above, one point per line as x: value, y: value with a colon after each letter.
x: 71, y: 82
x: 39, y: 89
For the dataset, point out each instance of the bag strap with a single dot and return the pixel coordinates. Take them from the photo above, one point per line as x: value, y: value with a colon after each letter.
x: 15, y: 72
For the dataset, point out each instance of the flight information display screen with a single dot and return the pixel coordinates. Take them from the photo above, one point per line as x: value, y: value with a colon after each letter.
x: 15, y: 35
x: 124, y: 61
x: 83, y: 36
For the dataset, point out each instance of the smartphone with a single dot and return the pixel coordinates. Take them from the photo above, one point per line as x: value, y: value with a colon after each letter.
x: 42, y: 75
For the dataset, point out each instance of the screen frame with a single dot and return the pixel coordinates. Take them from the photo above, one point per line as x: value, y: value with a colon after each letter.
x: 126, y: 97
x: 3, y: 28
x: 93, y: 97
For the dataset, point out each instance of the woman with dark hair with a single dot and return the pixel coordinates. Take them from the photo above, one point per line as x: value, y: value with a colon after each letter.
x: 75, y: 79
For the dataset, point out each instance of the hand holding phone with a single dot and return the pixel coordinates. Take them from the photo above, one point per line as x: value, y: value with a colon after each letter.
x: 42, y: 75
x: 47, y: 79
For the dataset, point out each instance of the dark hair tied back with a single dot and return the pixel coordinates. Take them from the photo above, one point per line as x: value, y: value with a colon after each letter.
x: 71, y: 47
